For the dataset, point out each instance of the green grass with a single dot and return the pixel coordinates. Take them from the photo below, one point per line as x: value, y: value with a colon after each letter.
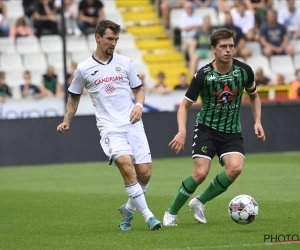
x: 75, y: 207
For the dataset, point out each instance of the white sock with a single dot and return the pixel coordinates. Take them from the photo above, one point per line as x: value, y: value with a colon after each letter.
x: 137, y: 197
x: 130, y: 206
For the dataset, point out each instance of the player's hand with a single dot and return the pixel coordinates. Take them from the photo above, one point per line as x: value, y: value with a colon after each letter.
x: 136, y: 114
x: 61, y: 128
x: 177, y: 144
x: 259, y: 131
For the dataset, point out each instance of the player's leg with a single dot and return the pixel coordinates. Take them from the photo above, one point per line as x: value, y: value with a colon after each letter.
x: 143, y: 166
x: 231, y: 153
x: 203, y: 150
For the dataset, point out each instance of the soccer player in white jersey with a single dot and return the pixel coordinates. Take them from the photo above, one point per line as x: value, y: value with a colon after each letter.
x: 108, y: 78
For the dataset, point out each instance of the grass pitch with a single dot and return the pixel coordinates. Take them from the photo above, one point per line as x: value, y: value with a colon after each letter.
x: 75, y: 207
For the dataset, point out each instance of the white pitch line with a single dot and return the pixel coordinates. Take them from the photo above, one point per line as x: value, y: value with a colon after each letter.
x: 228, y: 246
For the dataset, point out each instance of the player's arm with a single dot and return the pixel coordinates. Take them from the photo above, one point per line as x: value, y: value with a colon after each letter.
x: 137, y: 111
x: 71, y: 108
x: 75, y: 90
x: 255, y: 105
x: 177, y: 144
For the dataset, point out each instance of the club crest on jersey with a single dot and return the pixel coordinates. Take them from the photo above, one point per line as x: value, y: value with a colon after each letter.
x: 226, y: 96
x: 118, y: 68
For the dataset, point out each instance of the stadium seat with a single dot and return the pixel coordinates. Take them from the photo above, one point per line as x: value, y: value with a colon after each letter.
x: 11, y: 62
x: 254, y: 47
x: 256, y: 62
x: 175, y: 15
x: 28, y: 45
x: 14, y: 9
x: 80, y: 56
x: 211, y: 12
x: 282, y: 64
x: 51, y: 43
x: 35, y: 61
x: 297, y: 61
x: 75, y: 43
x: 14, y: 78
x: 7, y: 46
x: 296, y: 45
x: 36, y: 76
x: 56, y: 59
x: 109, y: 7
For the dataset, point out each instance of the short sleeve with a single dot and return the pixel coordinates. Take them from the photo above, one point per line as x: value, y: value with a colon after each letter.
x: 77, y: 84
x: 196, y: 86
x: 133, y: 77
x: 250, y: 86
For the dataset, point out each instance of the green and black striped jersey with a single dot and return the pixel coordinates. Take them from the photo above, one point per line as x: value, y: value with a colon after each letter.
x: 221, y: 95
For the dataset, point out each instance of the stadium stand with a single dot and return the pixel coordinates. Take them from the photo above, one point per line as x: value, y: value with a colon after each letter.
x: 156, y: 48
x: 143, y: 38
x: 28, y: 45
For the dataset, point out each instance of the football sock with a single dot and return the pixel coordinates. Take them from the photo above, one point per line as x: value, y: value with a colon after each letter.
x: 218, y: 185
x: 130, y: 206
x: 137, y: 197
x: 186, y: 189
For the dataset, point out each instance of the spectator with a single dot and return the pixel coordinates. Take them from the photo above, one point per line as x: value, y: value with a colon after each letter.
x: 90, y: 13
x: 20, y: 29
x: 28, y: 7
x: 295, y: 87
x: 45, y: 17
x: 280, y: 80
x: 4, y: 27
x: 200, y: 45
x: 28, y: 89
x: 5, y: 92
x: 260, y: 17
x: 189, y: 23
x: 71, y: 16
x: 160, y: 86
x: 205, y: 4
x: 260, y: 78
x: 274, y: 39
x: 244, y: 19
x: 50, y: 85
x: 239, y: 44
x: 183, y: 83
x: 289, y: 16
x: 165, y: 7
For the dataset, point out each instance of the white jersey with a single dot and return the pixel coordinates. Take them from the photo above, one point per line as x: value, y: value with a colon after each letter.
x: 109, y: 87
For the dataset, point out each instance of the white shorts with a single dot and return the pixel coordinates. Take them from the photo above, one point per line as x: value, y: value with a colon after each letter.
x: 133, y: 143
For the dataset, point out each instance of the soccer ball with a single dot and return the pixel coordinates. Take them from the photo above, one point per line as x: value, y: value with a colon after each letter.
x: 243, y: 209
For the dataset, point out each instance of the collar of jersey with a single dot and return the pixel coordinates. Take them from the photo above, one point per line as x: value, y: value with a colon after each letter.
x: 101, y: 62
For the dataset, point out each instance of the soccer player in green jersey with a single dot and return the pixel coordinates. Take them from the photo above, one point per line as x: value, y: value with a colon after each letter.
x: 220, y: 84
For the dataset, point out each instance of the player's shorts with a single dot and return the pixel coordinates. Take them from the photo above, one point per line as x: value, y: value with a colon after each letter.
x: 207, y: 142
x: 133, y: 143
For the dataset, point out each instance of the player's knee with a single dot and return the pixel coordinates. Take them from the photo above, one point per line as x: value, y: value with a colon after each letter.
x: 234, y: 171
x: 199, y: 175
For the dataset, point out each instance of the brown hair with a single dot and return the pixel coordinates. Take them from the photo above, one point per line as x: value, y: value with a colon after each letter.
x: 21, y: 22
x: 107, y: 24
x: 221, y: 33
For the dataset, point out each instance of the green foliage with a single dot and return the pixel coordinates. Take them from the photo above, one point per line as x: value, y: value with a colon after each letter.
x: 75, y: 207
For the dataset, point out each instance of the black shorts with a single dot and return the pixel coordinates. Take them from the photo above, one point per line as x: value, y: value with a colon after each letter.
x: 207, y: 142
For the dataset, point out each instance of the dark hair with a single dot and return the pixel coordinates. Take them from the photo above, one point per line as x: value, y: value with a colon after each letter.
x: 26, y: 72
x: 297, y: 71
x: 221, y: 33
x: 107, y: 24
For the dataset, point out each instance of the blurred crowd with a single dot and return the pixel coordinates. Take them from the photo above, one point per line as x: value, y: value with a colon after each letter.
x: 253, y: 21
